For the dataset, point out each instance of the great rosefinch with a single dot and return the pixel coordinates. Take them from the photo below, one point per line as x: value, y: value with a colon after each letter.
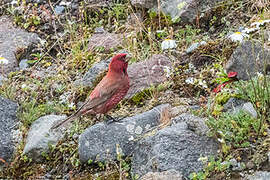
x: 108, y: 93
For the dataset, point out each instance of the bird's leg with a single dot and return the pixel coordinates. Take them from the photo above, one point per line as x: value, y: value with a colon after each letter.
x: 109, y: 119
x: 121, y: 118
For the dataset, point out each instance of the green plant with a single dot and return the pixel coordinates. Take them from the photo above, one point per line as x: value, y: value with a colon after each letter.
x: 33, y: 20
x: 257, y: 91
x: 234, y: 130
x: 30, y: 111
x: 211, y: 166
x: 187, y: 35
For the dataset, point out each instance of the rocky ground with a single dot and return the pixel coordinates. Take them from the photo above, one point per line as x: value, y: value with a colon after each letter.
x: 198, y: 105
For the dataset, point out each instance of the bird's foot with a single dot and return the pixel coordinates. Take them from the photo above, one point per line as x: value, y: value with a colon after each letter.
x: 109, y: 119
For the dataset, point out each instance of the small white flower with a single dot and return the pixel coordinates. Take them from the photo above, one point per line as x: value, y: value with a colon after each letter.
x: 168, y: 44
x: 260, y: 23
x: 131, y: 138
x: 71, y: 105
x: 202, y: 83
x: 23, y: 86
x: 260, y: 75
x: 190, y: 80
x: 220, y: 132
x: 14, y: 2
x: 238, y: 36
x: 3, y: 60
x: 221, y: 140
x: 249, y: 30
x: 160, y: 31
x: 191, y: 66
x: 203, y: 159
x: 168, y: 71
x: 63, y: 3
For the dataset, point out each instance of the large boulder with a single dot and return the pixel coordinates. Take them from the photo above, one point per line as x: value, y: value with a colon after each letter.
x: 105, y: 41
x: 104, y: 141
x: 97, y: 69
x: 14, y: 41
x: 40, y: 136
x: 8, y: 128
x: 152, y: 71
x: 248, y: 59
x: 98, y: 3
x: 258, y: 175
x: 234, y: 106
x: 169, y: 175
x: 186, y: 10
x: 175, y: 147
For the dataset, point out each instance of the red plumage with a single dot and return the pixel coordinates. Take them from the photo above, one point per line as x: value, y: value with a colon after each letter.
x: 108, y: 93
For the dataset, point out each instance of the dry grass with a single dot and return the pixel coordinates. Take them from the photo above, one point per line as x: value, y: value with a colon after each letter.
x: 258, y: 5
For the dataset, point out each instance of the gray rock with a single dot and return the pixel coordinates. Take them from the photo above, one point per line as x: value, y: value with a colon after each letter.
x: 259, y: 175
x: 268, y: 155
x: 174, y: 147
x: 8, y: 121
x: 40, y: 136
x: 11, y: 40
x: 103, y: 141
x: 38, y: 1
x: 2, y: 79
x: 248, y: 58
x: 152, y: 71
x: 144, y: 3
x: 185, y: 10
x: 233, y: 162
x: 23, y: 64
x: 194, y: 123
x: 98, y: 3
x: 135, y: 19
x: 236, y: 166
x: 105, y: 41
x: 59, y: 9
x: 235, y: 105
x: 248, y: 107
x: 99, y: 30
x: 91, y: 75
x: 165, y: 175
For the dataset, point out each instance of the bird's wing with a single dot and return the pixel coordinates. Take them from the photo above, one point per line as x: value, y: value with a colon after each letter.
x: 102, y: 93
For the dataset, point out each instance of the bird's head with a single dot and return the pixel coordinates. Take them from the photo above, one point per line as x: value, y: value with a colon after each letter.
x: 119, y: 63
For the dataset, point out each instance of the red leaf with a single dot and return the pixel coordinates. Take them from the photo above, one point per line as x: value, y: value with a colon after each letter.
x: 232, y: 74
x: 3, y: 161
x: 220, y: 86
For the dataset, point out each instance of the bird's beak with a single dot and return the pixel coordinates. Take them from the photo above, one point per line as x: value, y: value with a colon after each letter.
x: 128, y: 57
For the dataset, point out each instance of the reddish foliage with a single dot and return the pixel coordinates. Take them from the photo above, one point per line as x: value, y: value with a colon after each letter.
x: 232, y: 74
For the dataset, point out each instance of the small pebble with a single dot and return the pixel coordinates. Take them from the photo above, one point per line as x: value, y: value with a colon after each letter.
x: 23, y: 64
x: 59, y: 9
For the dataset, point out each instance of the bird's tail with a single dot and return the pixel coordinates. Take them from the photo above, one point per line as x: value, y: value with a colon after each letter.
x: 68, y: 119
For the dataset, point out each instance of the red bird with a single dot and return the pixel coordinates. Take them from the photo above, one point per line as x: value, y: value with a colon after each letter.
x: 108, y: 93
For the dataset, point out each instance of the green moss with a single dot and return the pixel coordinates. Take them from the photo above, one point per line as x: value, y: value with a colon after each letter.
x: 234, y: 129
x: 140, y: 97
x: 30, y: 111
x: 223, y: 97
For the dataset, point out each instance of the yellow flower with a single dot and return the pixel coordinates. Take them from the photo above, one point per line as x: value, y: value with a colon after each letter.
x: 260, y: 23
x: 238, y: 36
x: 3, y: 60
